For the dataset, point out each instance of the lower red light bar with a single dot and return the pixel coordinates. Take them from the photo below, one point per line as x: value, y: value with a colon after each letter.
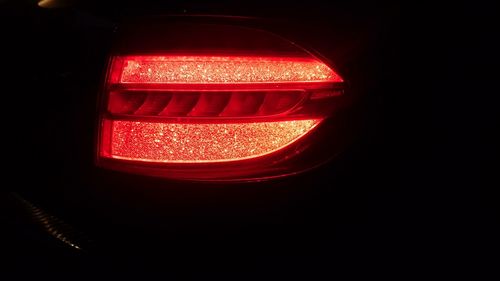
x: 199, y: 143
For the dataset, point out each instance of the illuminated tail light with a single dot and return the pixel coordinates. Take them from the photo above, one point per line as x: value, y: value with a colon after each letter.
x: 200, y: 143
x: 212, y: 117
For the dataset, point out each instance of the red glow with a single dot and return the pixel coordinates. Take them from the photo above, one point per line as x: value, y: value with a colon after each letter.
x: 199, y: 143
x: 203, y: 104
x: 220, y: 70
x: 213, y: 117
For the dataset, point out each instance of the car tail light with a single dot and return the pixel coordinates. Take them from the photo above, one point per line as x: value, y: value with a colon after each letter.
x: 207, y: 116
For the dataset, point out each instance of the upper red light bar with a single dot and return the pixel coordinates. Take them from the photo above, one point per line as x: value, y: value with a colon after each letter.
x: 220, y: 70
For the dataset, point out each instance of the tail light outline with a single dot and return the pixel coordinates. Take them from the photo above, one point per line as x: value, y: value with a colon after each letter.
x: 155, y: 169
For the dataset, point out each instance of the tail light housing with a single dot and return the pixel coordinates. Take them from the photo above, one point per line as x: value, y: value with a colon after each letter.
x: 192, y: 112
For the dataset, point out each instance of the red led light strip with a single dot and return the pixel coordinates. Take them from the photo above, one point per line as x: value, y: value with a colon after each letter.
x: 199, y: 143
x: 220, y: 70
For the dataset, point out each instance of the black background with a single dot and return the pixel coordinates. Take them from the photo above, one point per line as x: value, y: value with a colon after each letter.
x: 415, y: 195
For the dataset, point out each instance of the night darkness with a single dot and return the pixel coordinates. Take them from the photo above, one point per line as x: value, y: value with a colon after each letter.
x: 412, y: 191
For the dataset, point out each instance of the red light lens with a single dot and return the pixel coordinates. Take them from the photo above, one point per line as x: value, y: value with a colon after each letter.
x: 172, y: 111
x: 202, y: 103
x: 222, y: 70
x: 200, y: 143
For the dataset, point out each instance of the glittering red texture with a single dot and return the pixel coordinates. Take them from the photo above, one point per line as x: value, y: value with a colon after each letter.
x: 222, y: 70
x: 198, y: 143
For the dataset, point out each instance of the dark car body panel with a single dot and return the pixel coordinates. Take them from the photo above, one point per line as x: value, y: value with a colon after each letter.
x: 67, y: 52
x: 365, y: 206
